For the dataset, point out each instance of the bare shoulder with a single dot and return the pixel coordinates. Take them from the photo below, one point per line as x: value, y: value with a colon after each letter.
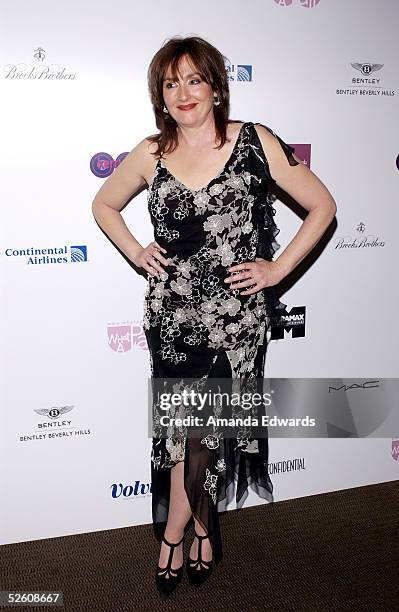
x: 132, y: 174
x: 273, y: 149
x: 268, y: 140
x: 144, y: 150
x: 150, y: 145
x: 140, y: 161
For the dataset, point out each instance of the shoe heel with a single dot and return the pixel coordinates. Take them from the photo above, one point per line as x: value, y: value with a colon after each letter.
x: 166, y: 585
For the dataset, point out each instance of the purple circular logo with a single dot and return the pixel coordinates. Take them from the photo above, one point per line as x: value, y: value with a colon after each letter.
x: 103, y: 164
x: 283, y: 2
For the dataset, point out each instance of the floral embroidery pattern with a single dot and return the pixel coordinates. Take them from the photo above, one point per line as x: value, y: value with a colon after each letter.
x: 193, y: 303
x: 210, y: 485
x: 228, y: 222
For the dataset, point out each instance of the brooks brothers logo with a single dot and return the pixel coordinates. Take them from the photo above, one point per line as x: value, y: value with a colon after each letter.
x: 395, y: 450
x: 103, y: 164
x: 366, y: 84
x: 362, y: 240
x: 239, y: 72
x: 304, y: 3
x: 38, y: 70
x: 122, y: 337
x: 51, y: 255
x: 368, y: 384
x: 289, y: 322
x: 54, y: 426
x: 131, y: 491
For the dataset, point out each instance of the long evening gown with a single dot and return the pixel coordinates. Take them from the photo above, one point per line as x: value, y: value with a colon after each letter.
x: 196, y: 326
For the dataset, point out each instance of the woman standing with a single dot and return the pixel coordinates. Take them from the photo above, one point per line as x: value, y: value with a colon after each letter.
x: 210, y: 292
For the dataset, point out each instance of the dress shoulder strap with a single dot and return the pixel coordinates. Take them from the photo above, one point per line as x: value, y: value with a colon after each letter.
x: 259, y: 153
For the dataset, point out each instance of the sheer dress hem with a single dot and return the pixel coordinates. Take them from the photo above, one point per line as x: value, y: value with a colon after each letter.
x: 210, y: 474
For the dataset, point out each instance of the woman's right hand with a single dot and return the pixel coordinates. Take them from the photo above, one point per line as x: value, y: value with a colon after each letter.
x: 148, y: 258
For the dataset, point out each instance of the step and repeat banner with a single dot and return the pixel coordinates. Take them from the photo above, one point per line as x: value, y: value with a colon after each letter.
x: 75, y: 451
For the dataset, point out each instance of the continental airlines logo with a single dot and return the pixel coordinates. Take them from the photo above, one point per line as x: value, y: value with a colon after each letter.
x: 239, y: 72
x: 50, y: 255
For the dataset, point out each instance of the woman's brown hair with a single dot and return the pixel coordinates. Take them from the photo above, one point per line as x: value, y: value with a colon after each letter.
x: 210, y: 65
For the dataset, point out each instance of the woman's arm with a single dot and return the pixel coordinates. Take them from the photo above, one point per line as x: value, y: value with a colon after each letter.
x: 308, y: 190
x: 126, y: 180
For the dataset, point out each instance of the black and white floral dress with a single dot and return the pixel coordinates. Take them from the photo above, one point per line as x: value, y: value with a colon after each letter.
x: 197, y: 326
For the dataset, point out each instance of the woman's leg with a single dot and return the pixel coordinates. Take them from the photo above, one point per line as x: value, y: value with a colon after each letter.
x: 206, y: 548
x: 200, y: 459
x: 178, y: 516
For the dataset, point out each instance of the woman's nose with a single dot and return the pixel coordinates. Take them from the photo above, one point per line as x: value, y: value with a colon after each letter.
x: 183, y: 93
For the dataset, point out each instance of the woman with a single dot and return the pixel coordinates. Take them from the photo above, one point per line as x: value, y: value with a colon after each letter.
x: 210, y: 292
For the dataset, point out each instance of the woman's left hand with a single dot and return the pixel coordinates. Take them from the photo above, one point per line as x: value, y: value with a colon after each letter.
x: 261, y: 273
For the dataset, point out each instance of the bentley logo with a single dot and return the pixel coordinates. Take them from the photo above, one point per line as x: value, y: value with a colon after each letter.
x: 53, y: 413
x: 366, y: 69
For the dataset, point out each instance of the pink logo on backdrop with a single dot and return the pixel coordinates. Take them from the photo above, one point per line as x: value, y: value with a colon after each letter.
x: 395, y: 450
x: 123, y: 337
x: 304, y: 3
x: 309, y: 3
x: 103, y: 164
x: 303, y: 152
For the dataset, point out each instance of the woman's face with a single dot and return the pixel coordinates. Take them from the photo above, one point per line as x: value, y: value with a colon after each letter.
x: 188, y: 98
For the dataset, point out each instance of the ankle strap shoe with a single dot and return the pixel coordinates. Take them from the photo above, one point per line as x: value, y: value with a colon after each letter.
x: 167, y: 578
x: 198, y: 576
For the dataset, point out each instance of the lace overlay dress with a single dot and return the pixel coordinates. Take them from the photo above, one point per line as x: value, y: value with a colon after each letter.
x: 197, y: 326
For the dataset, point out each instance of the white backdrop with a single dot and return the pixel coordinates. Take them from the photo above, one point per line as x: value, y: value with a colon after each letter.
x: 73, y: 86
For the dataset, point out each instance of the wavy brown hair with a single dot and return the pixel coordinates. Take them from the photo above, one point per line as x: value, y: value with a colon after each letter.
x: 210, y: 65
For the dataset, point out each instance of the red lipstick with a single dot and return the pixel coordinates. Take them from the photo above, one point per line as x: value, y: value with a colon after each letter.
x: 186, y: 107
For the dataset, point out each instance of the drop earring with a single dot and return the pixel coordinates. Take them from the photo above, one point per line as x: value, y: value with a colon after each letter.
x: 165, y: 110
x: 216, y: 100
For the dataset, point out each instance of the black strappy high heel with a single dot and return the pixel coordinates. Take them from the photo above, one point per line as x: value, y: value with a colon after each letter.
x: 167, y: 585
x: 198, y: 576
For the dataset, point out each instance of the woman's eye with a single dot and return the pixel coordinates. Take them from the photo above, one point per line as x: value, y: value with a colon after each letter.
x: 171, y: 84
